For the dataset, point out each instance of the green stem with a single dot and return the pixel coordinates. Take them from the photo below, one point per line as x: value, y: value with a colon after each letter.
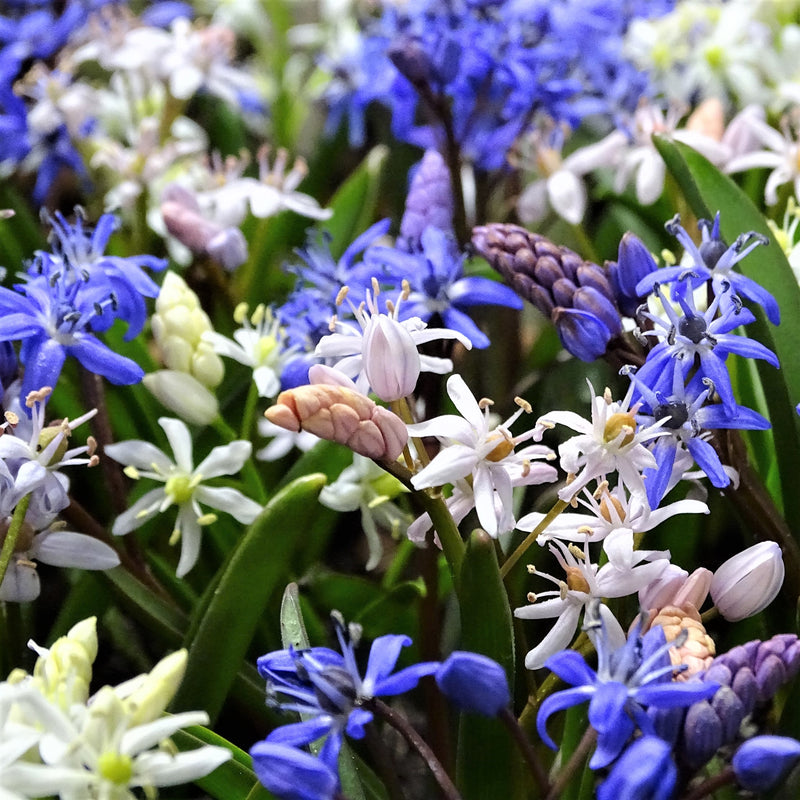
x: 574, y: 763
x: 528, y: 753
x: 12, y: 535
x: 711, y: 785
x: 509, y: 563
x: 588, y: 250
x: 249, y: 413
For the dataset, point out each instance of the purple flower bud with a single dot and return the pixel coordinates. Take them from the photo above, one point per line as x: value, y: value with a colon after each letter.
x: 702, y: 732
x: 548, y: 271
x: 563, y: 291
x: 589, y: 274
x: 581, y: 332
x: 770, y: 676
x: 474, y: 682
x: 587, y: 298
x: 429, y: 202
x: 720, y: 673
x: 645, y: 771
x: 746, y: 688
x: 748, y: 582
x: 634, y: 262
x: 730, y: 710
x: 228, y: 248
x: 409, y: 57
x: 762, y: 762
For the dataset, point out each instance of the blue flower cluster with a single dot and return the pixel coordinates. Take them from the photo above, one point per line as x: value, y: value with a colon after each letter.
x: 70, y: 294
x: 474, y: 73
x: 426, y: 258
x: 684, y: 381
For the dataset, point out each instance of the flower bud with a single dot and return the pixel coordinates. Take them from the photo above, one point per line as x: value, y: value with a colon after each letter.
x: 582, y: 333
x: 391, y: 359
x: 748, y: 582
x: 429, y: 201
x: 289, y: 772
x: 702, y: 733
x: 184, y: 395
x: 156, y: 689
x: 342, y: 415
x: 474, y: 682
x: 763, y: 761
x: 645, y: 771
x: 634, y: 262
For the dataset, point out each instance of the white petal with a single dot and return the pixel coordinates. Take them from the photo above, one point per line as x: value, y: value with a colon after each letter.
x: 453, y: 462
x: 190, y: 539
x: 225, y: 459
x: 139, y: 454
x: 143, y: 737
x: 130, y: 520
x: 533, y: 203
x: 180, y: 440
x: 465, y: 401
x: 69, y: 549
x: 567, y: 195
x: 162, y: 769
x: 230, y: 500
x: 556, y: 640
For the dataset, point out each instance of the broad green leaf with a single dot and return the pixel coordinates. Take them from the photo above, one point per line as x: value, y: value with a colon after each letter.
x: 487, y: 762
x: 221, y: 640
x: 707, y: 191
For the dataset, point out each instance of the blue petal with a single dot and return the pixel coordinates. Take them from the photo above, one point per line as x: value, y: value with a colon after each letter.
x: 477, y: 291
x: 101, y: 360
x: 572, y: 668
x: 292, y: 774
x: 302, y: 733
x: 558, y: 702
x: 708, y: 460
x: 608, y: 716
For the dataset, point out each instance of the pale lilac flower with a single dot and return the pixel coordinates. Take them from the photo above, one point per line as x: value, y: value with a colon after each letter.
x: 382, y: 353
x: 282, y: 441
x: 780, y: 154
x: 624, y: 574
x: 473, y: 446
x: 183, y: 486
x: 748, y: 582
x: 611, y: 442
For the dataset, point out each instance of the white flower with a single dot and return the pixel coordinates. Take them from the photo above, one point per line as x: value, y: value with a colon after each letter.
x: 611, y: 442
x: 367, y: 487
x: 781, y: 153
x: 282, y: 440
x: 609, y: 509
x: 273, y: 191
x: 259, y: 344
x: 472, y: 446
x: 183, y: 486
x: 382, y: 354
x: 624, y: 574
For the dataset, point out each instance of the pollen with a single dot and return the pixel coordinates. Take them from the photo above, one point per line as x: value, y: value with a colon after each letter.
x: 620, y: 423
x: 606, y: 506
x: 576, y: 581
x: 503, y: 448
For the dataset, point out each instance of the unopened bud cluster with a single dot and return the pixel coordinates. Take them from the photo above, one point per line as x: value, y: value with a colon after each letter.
x: 576, y: 294
x: 178, y: 327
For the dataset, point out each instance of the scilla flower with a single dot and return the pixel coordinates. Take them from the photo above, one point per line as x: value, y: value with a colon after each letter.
x: 183, y: 486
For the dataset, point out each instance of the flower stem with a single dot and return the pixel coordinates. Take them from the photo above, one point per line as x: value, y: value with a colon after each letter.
x: 509, y: 563
x: 708, y: 787
x: 14, y: 528
x: 527, y: 751
x: 249, y: 472
x: 409, y: 733
x: 249, y: 413
x: 574, y: 763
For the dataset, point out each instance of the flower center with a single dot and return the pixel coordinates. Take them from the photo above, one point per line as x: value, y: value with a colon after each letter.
x: 179, y: 488
x: 265, y: 348
x: 115, y: 767
x: 676, y: 411
x: 693, y: 328
x: 576, y: 580
x: 620, y: 423
x: 504, y: 447
x: 606, y: 505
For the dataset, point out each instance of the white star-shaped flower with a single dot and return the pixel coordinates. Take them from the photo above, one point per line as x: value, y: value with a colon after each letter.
x: 183, y: 486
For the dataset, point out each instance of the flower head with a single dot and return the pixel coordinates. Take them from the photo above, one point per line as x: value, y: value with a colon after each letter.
x: 183, y: 486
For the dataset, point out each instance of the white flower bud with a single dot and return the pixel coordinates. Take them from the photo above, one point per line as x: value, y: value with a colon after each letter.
x: 184, y: 395
x: 156, y: 689
x: 748, y: 582
x: 391, y: 359
x: 207, y: 366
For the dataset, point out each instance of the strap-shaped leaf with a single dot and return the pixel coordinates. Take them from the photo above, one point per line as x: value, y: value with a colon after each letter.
x: 251, y: 575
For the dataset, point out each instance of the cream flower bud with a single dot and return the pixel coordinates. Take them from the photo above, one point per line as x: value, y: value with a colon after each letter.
x: 748, y: 582
x: 156, y: 689
x: 184, y: 395
x: 178, y: 327
x: 391, y: 359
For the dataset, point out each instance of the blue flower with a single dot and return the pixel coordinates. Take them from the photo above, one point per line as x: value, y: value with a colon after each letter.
x: 52, y: 315
x: 82, y: 251
x: 627, y: 681
x: 645, y: 771
x: 474, y: 682
x: 327, y: 689
x: 760, y: 763
x: 293, y: 774
x: 703, y: 335
x: 435, y: 274
x: 686, y: 416
x: 713, y: 261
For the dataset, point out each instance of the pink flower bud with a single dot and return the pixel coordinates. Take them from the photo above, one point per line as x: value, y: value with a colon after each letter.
x: 748, y: 582
x: 391, y: 359
x: 341, y: 415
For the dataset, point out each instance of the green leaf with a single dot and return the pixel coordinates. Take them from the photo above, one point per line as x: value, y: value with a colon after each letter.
x: 233, y: 780
x: 487, y: 762
x: 354, y: 204
x: 293, y: 629
x: 220, y: 642
x: 707, y: 190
